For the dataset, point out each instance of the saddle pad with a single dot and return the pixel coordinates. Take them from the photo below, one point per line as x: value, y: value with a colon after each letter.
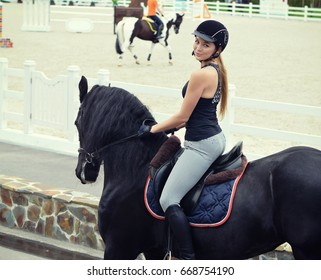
x: 213, y: 209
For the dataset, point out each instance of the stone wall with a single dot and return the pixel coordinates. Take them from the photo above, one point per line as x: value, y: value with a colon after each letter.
x: 64, y: 215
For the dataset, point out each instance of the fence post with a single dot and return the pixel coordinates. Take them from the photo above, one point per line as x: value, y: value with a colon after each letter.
x: 3, y: 89
x: 29, y: 67
x: 72, y: 90
x: 103, y: 77
x: 250, y: 9
x: 305, y: 13
x: 233, y: 8
x: 217, y: 7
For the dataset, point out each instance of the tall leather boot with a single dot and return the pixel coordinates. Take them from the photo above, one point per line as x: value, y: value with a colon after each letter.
x: 182, y: 232
x: 159, y: 31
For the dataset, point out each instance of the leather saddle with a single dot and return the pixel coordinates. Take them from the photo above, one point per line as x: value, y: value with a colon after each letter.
x: 164, y: 161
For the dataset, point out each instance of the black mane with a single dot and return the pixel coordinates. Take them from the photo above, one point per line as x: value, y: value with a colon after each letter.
x: 116, y: 114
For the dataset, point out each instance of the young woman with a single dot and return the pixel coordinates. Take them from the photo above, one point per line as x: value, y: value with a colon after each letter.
x: 204, y: 139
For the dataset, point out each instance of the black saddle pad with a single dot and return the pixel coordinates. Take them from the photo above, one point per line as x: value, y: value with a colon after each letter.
x: 213, y: 209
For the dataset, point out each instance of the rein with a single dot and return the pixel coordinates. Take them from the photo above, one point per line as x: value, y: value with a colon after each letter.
x: 91, y: 156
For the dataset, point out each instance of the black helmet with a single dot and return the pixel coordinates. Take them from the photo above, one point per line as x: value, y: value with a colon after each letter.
x: 213, y: 31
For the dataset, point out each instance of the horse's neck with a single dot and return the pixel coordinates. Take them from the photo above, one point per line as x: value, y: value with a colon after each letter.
x: 130, y: 162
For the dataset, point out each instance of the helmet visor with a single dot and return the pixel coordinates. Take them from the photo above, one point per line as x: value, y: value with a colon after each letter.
x: 204, y: 36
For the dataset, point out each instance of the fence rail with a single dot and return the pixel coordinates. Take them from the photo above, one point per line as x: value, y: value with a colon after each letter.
x: 38, y: 14
x: 48, y: 108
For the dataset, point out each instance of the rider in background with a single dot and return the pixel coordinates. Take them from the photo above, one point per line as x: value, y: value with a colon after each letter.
x: 153, y: 8
x: 204, y: 138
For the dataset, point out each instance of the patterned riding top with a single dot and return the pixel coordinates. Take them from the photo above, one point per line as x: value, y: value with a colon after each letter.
x: 203, y: 122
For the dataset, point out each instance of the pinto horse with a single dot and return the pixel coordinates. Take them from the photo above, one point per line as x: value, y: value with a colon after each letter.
x: 129, y: 28
x: 277, y: 200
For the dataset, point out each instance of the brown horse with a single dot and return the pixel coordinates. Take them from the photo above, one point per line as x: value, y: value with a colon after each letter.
x: 129, y: 28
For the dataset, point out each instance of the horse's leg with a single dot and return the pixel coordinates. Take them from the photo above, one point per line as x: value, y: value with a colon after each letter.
x: 167, y: 46
x: 169, y: 55
x: 150, y: 53
x: 128, y: 46
x: 131, y: 47
x: 155, y: 254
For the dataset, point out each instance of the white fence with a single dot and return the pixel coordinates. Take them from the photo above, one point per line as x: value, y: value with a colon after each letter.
x: 38, y: 14
x: 39, y: 112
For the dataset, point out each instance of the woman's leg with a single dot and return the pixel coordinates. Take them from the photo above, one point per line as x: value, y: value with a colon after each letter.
x: 191, y: 165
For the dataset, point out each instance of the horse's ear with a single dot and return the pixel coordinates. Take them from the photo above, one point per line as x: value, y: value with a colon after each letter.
x: 83, y: 88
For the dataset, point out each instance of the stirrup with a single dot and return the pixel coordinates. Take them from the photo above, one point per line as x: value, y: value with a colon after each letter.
x: 168, y: 256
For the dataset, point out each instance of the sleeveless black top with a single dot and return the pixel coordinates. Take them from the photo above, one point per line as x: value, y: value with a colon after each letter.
x: 203, y: 122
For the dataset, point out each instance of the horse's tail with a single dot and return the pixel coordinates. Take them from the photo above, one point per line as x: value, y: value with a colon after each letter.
x: 120, y: 38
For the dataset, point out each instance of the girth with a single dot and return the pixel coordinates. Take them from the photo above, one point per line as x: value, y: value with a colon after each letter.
x: 226, y: 167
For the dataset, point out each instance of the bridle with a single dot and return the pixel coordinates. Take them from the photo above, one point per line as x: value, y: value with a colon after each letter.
x: 89, y: 157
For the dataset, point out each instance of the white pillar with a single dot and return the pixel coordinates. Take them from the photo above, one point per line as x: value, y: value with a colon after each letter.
x: 103, y: 77
x: 36, y: 15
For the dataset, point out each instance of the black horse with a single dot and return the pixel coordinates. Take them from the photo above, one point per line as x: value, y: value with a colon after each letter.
x: 278, y: 197
x: 129, y: 28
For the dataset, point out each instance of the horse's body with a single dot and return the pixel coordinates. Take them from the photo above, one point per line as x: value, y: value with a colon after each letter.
x: 278, y: 198
x: 129, y: 28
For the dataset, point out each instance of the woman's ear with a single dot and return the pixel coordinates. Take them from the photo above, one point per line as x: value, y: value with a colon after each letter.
x: 217, y: 52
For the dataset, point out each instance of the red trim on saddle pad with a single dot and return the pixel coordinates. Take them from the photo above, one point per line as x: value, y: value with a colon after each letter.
x: 229, y: 211
x: 200, y: 225
x: 147, y: 205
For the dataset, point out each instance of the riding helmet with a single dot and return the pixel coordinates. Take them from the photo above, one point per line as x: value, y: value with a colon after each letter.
x: 213, y: 31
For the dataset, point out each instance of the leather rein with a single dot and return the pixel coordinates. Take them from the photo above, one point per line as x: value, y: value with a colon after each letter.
x: 97, y: 154
x: 89, y: 157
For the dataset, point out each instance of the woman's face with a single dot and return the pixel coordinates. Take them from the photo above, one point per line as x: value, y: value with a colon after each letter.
x: 203, y: 49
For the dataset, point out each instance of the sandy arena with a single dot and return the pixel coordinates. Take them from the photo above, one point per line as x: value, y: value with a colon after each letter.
x: 266, y: 59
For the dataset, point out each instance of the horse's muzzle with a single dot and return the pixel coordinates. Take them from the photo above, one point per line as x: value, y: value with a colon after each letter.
x: 87, y: 172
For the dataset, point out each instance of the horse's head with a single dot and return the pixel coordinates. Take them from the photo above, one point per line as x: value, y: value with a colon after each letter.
x: 88, y: 166
x: 178, y: 21
x: 107, y: 117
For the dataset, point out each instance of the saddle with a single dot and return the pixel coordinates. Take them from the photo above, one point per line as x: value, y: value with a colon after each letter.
x: 226, y: 167
x: 152, y: 25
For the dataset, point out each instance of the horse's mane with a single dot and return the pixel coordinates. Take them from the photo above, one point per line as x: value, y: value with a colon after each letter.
x: 112, y: 114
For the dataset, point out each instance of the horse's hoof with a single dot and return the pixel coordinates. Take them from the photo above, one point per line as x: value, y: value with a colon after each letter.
x: 170, y: 62
x: 119, y: 65
x: 137, y: 62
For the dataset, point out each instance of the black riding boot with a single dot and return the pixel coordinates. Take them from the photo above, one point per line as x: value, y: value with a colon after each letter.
x: 159, y: 31
x: 180, y: 226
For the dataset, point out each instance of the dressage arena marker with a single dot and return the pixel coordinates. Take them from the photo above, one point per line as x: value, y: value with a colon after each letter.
x: 4, y: 42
